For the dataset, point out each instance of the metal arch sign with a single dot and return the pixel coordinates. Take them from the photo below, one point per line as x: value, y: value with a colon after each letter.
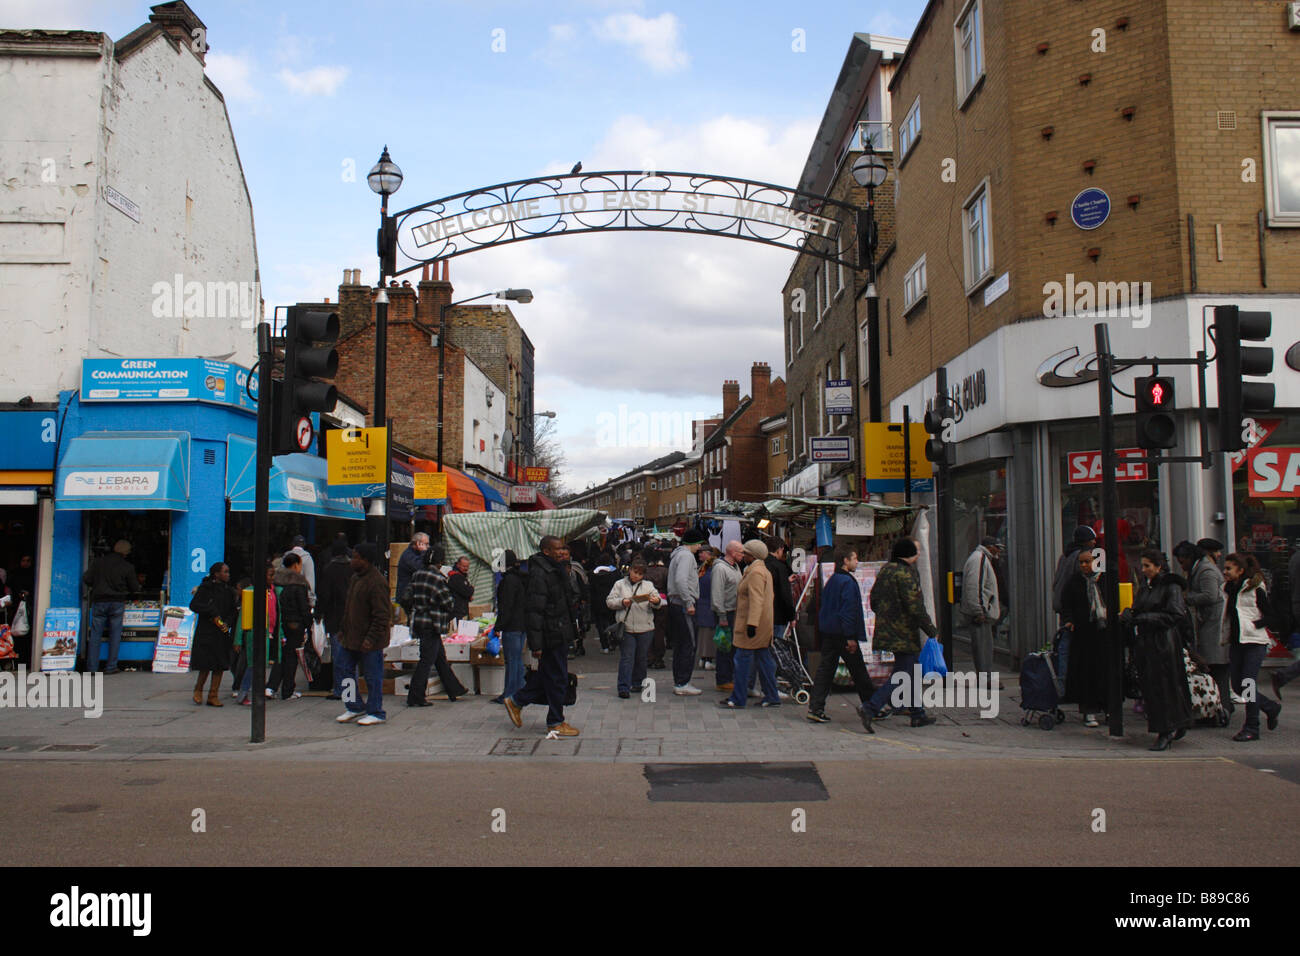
x: 632, y: 201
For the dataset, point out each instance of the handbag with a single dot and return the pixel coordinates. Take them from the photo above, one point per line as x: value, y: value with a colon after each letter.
x: 722, y: 637
x: 571, y: 694
x: 6, y: 643
x: 21, y: 626
x: 319, y: 638
x: 310, y: 661
x: 932, y: 663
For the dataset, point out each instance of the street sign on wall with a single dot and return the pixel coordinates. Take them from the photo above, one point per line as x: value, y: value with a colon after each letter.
x: 882, y: 458
x: 356, y: 458
x: 830, y: 449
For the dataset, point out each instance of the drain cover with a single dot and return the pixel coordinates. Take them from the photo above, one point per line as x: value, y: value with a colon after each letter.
x: 77, y: 808
x: 734, y: 782
x: 69, y: 748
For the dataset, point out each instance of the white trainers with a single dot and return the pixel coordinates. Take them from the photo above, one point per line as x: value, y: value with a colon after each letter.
x: 708, y: 665
x: 349, y: 715
x: 687, y: 690
x: 369, y: 721
x: 756, y: 694
x: 296, y: 695
x: 270, y: 693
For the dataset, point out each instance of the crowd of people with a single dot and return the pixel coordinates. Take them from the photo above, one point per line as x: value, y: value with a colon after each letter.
x: 719, y: 610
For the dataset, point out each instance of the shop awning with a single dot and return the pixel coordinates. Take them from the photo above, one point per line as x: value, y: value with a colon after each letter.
x: 297, y: 484
x: 124, y: 471
x: 492, y: 500
x: 462, y: 491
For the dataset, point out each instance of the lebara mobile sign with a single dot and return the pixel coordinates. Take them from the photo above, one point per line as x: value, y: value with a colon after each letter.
x: 167, y: 380
x: 110, y: 484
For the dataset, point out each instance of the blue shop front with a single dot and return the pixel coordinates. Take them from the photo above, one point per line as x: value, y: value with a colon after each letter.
x: 159, y: 453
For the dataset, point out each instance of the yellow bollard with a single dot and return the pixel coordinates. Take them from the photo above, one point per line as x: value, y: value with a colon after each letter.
x: 246, y: 610
x: 1125, y: 595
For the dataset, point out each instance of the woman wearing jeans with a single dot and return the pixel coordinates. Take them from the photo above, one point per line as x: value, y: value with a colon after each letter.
x: 510, y: 623
x: 637, y: 598
x: 1246, y: 618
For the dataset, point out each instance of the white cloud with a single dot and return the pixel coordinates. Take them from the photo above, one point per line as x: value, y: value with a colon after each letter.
x: 232, y: 75
x: 656, y: 41
x: 318, y: 81
x: 563, y: 32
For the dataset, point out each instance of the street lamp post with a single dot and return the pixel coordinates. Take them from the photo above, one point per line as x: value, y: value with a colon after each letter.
x: 869, y: 171
x: 385, y: 178
x: 514, y: 295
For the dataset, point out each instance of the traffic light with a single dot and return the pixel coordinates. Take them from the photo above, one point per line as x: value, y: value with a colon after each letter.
x: 1237, y: 397
x: 1155, y: 412
x: 937, y: 448
x: 309, y: 355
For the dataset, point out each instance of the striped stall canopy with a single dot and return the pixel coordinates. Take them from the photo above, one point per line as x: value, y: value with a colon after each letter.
x: 478, y: 535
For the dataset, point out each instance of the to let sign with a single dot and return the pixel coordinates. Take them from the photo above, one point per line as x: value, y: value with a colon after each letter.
x: 1085, y: 467
x: 538, y: 474
x: 1273, y: 472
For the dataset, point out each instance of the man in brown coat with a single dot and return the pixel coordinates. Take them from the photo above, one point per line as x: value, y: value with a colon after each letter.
x: 365, y: 634
x: 752, y: 632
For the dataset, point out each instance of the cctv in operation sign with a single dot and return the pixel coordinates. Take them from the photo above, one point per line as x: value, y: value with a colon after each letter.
x: 356, y: 458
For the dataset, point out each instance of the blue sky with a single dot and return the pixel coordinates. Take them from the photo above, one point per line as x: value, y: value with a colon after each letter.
x: 316, y: 90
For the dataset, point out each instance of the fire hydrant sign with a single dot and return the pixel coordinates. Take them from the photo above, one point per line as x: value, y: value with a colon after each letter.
x: 430, y: 488
x: 356, y: 458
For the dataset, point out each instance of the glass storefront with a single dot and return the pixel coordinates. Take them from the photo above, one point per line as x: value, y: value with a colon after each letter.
x: 1078, y: 451
x: 1269, y: 527
x: 979, y: 507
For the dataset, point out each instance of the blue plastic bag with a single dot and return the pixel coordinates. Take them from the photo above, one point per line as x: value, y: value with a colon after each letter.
x: 932, y: 664
x: 493, y: 645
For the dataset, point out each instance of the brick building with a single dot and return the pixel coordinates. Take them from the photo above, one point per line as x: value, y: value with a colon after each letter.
x: 735, y: 453
x: 822, y: 310
x: 1060, y: 164
x: 485, y: 347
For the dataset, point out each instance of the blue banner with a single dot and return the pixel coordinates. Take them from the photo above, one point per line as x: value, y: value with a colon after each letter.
x: 29, y: 440
x: 59, y: 645
x: 167, y: 380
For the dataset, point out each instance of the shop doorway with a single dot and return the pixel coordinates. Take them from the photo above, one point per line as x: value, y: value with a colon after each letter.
x: 18, y: 539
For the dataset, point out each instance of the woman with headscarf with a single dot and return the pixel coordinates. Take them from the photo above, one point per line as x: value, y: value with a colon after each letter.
x: 1247, y: 616
x: 1157, y: 616
x: 1083, y: 611
x: 216, y: 604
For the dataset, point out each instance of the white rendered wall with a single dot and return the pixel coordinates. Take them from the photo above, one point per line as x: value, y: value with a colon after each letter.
x: 492, y: 420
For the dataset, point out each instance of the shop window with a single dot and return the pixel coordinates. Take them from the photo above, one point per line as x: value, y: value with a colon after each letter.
x: 1266, y: 508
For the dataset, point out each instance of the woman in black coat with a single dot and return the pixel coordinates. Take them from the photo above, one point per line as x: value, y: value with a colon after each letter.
x: 1083, y: 612
x: 1158, y: 614
x: 216, y: 604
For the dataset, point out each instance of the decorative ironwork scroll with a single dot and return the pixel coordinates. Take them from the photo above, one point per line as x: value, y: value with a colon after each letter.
x: 625, y: 200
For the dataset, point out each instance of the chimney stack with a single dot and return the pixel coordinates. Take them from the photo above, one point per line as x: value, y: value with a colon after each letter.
x: 355, y: 303
x: 434, y: 293
x: 760, y: 378
x: 730, y: 397
x: 182, y: 24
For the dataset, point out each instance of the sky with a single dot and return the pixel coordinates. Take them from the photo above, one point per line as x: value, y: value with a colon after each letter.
x: 470, y: 94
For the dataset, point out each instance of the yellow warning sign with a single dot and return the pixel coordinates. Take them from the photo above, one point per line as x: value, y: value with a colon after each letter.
x: 356, y: 456
x: 430, y: 487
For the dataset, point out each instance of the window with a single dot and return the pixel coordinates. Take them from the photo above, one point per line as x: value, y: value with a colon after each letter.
x: 821, y: 403
x: 839, y: 254
x: 801, y: 312
x: 910, y: 131
x: 817, y: 287
x: 976, y: 240
x: 914, y: 285
x: 970, y: 50
x: 776, y: 446
x: 826, y: 273
x: 1282, y: 167
x: 803, y: 419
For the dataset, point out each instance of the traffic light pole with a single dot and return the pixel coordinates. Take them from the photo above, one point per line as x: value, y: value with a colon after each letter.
x: 261, y: 529
x: 1110, y: 518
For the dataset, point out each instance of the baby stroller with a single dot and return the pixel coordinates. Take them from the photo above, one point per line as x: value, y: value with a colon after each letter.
x: 1040, y: 689
x: 790, y: 670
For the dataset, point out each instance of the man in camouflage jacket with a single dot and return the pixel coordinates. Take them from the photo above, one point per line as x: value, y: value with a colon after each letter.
x: 900, y: 614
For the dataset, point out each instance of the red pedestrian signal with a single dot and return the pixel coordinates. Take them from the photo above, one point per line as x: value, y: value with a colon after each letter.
x: 1155, y: 406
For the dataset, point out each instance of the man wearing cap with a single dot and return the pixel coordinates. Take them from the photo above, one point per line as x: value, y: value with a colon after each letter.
x: 364, y: 636
x: 979, y: 608
x: 752, y: 637
x: 683, y: 592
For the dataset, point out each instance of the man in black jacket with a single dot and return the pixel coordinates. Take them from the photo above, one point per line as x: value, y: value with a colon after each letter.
x: 782, y: 595
x: 549, y: 621
x: 294, y: 610
x: 512, y: 624
x: 111, y: 579
x: 461, y: 590
x: 331, y: 596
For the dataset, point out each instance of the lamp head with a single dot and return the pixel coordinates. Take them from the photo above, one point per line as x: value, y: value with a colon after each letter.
x: 385, y: 178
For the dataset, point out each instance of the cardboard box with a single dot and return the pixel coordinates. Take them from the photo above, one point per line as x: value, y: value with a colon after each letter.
x: 492, y: 681
x: 456, y: 652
